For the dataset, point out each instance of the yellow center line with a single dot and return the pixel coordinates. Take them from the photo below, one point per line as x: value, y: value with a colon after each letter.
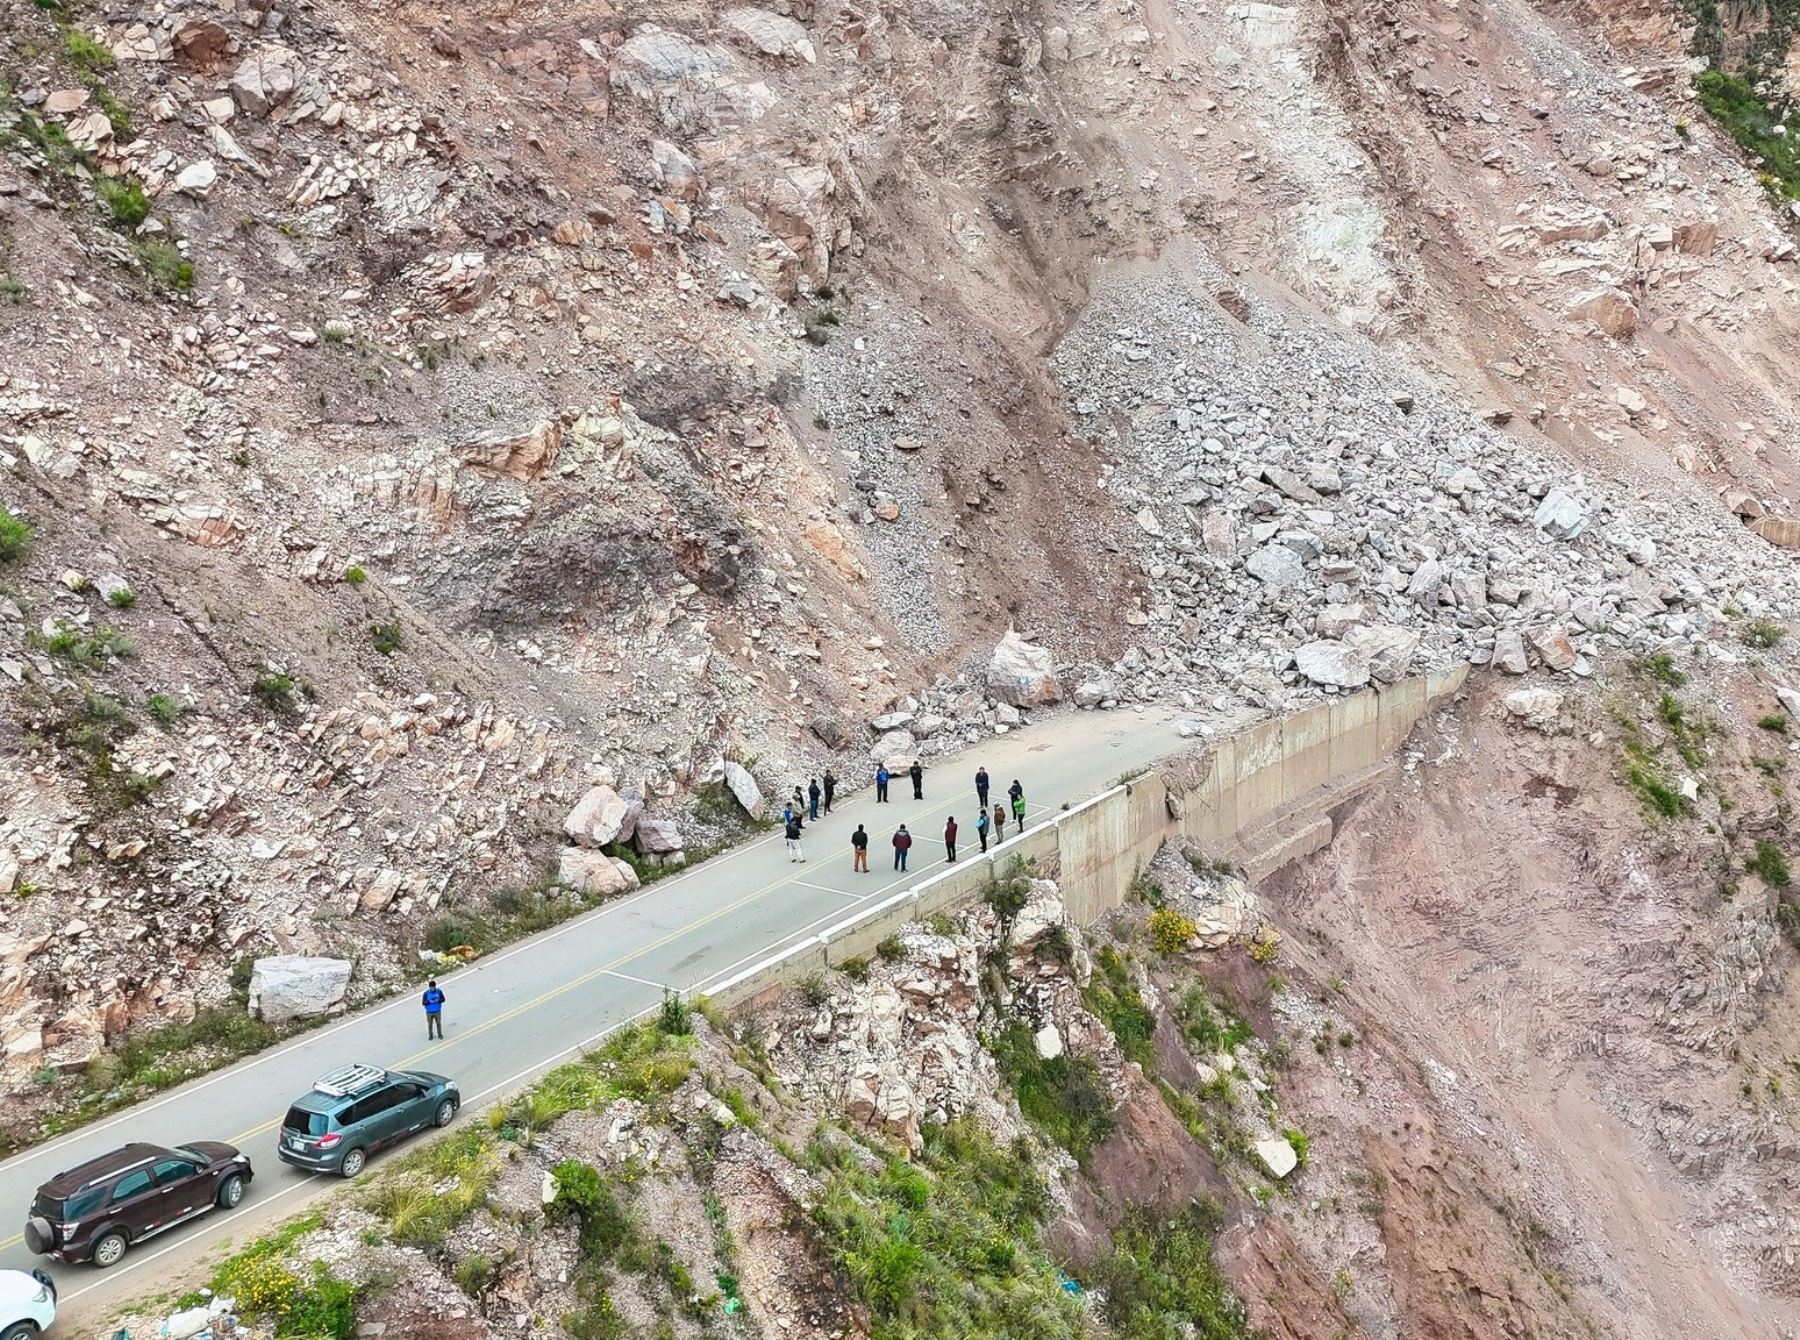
x: 549, y: 995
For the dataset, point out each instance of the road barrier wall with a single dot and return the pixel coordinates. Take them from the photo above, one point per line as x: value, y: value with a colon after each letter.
x: 1097, y: 849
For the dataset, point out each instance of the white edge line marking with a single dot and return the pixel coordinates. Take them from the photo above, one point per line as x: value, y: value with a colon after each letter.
x: 313, y: 1182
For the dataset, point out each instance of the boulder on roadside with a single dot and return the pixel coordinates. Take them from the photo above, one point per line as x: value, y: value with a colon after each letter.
x: 595, y: 873
x: 297, y: 986
x: 1388, y: 648
x: 602, y: 816
x: 743, y: 788
x: 657, y: 837
x: 829, y: 730
x: 1095, y: 687
x: 897, y: 749
x: 1023, y: 674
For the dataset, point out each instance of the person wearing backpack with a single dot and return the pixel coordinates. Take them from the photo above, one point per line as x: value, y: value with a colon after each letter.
x: 793, y: 838
x: 902, y: 845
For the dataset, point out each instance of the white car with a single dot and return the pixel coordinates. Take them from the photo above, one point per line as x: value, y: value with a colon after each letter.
x: 27, y: 1304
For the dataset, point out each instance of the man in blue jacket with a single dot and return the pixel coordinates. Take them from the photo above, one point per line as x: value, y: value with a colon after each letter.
x: 434, y: 1010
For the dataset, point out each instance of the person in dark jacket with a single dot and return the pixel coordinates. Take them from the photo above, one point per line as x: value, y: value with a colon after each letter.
x: 881, y: 783
x: 859, y: 850
x: 981, y: 788
x: 917, y: 773
x: 434, y: 1010
x: 792, y: 832
x: 981, y: 826
x: 902, y: 845
x: 830, y: 789
x: 812, y: 797
x: 950, y: 838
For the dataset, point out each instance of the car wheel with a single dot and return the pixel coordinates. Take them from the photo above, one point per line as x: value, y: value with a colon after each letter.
x: 23, y: 1330
x: 110, y: 1249
x: 446, y: 1111
x: 353, y: 1163
x: 231, y: 1192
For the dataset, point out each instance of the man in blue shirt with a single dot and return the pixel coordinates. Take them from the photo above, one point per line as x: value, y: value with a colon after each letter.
x: 434, y: 1010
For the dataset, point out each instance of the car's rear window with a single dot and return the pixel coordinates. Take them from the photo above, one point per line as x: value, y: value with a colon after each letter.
x: 309, y: 1123
x: 68, y: 1211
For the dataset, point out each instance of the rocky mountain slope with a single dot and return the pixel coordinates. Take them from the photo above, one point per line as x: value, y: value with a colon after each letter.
x: 415, y: 418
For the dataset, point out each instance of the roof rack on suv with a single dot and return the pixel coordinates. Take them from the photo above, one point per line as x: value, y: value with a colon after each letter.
x: 349, y: 1079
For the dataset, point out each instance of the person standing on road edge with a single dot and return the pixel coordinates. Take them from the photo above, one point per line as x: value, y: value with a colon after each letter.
x: 812, y: 797
x: 999, y: 822
x: 1018, y: 799
x: 950, y: 838
x: 434, y: 1011
x: 917, y: 773
x: 981, y: 826
x: 981, y: 788
x: 859, y: 850
x: 793, y: 838
x: 881, y: 783
x: 902, y: 845
x: 830, y: 789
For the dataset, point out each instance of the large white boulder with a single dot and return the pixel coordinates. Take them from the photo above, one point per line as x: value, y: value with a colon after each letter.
x: 1388, y: 647
x: 595, y: 873
x: 1023, y: 674
x: 602, y: 816
x: 1562, y: 516
x: 1339, y: 664
x: 1278, y: 1156
x: 744, y: 788
x: 297, y: 986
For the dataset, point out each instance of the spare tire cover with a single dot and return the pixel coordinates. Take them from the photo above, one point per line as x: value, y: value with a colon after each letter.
x: 40, y: 1235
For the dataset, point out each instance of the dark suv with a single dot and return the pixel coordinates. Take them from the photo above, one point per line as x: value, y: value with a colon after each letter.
x: 94, y: 1212
x: 353, y: 1112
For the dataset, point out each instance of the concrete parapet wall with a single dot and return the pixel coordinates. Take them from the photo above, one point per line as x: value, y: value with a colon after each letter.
x: 1273, y: 769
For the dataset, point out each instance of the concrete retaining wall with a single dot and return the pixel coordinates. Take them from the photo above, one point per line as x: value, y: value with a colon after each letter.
x: 1275, y: 769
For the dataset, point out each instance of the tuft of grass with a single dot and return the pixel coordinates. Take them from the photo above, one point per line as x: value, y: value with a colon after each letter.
x: 1160, y: 1279
x: 122, y: 598
x: 125, y: 200
x: 1113, y: 997
x: 1769, y: 865
x: 1775, y: 722
x: 274, y: 690
x: 1645, y: 776
x: 1662, y: 668
x: 89, y: 57
x: 165, y: 709
x: 15, y: 537
x: 1065, y: 1097
x: 1733, y: 103
x: 104, y: 644
x: 354, y: 575
x: 386, y: 637
x: 1762, y: 634
x: 164, y: 266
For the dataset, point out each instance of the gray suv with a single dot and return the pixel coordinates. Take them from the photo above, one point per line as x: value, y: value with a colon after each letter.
x: 353, y: 1112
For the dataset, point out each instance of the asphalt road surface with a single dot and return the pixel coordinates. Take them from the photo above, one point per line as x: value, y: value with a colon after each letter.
x: 515, y: 1014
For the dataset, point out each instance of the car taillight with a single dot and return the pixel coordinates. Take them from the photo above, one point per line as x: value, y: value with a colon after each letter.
x: 68, y: 1230
x: 327, y: 1141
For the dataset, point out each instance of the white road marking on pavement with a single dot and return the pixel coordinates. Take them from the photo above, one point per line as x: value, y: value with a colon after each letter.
x: 641, y: 981
x: 823, y: 888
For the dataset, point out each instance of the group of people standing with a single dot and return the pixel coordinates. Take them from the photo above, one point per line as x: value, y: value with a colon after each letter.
x: 804, y: 807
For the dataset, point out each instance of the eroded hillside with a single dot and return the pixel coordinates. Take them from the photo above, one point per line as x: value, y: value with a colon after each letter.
x: 421, y: 416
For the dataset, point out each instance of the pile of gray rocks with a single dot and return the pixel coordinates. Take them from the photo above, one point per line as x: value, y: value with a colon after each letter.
x: 1309, y: 516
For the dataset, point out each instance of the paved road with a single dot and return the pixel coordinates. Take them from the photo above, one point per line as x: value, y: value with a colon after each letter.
x: 518, y: 1012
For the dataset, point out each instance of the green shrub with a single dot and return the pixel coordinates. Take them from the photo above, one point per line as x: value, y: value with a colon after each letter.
x: 103, y: 644
x: 1008, y: 893
x: 1298, y: 1142
x: 1160, y: 1279
x: 15, y: 535
x: 1769, y: 865
x: 386, y: 637
x: 274, y: 690
x: 122, y: 598
x: 1113, y: 997
x: 325, y: 1310
x: 890, y: 950
x: 1170, y: 931
x: 675, y: 1019
x: 164, y: 266
x: 1732, y: 101
x: 1065, y: 1096
x: 118, y: 115
x: 855, y: 968
x: 814, y: 991
x: 124, y: 197
x: 1210, y: 1028
x: 1775, y: 722
x: 165, y: 709
x: 355, y: 575
x: 473, y: 1273
x: 946, y: 1247
x: 1661, y: 667
x: 582, y: 1194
